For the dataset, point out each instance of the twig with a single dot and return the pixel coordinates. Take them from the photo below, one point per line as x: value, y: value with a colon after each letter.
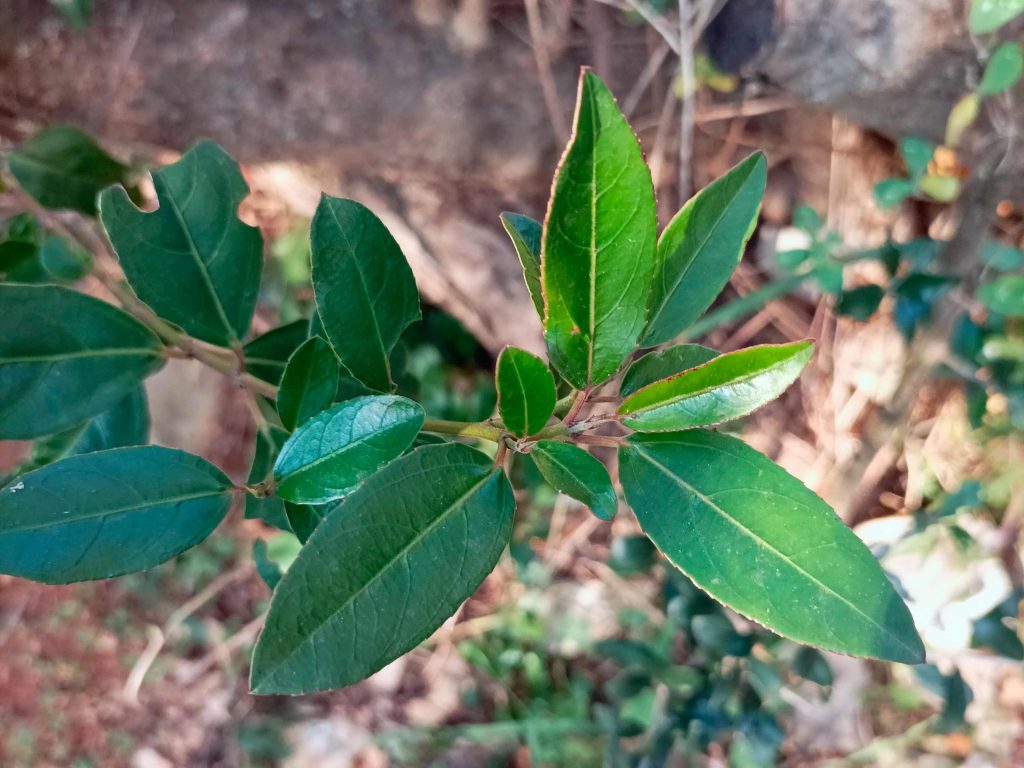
x: 547, y: 79
x: 689, y: 85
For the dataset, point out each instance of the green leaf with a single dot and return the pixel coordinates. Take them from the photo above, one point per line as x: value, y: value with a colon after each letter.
x: 861, y: 302
x: 64, y: 261
x: 192, y: 260
x: 266, y: 356
x: 812, y: 665
x: 65, y: 357
x: 989, y: 15
x: 917, y: 153
x: 757, y: 540
x: 76, y: 13
x: 526, y: 237
x: 1003, y: 70
x: 941, y: 188
x: 329, y: 455
x: 269, y: 509
x: 574, y: 472
x: 891, y: 192
x: 309, y: 382
x: 1005, y: 295
x: 1002, y: 257
x: 599, y: 249
x: 701, y: 246
x: 727, y: 387
x: 268, y: 570
x: 62, y: 167
x: 380, y: 575
x: 960, y: 118
x: 304, y: 518
x: 109, y: 513
x: 655, y: 366
x: 526, y: 392
x: 365, y: 292
x: 807, y: 219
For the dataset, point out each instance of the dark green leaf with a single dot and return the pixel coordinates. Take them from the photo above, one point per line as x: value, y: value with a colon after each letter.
x: 807, y: 219
x: 329, y: 455
x: 365, y: 292
x: 62, y: 167
x: 756, y: 539
x: 917, y: 153
x: 1002, y: 257
x: 304, y: 518
x: 727, y: 387
x: 266, y: 356
x: 1005, y: 295
x: 655, y: 366
x: 701, y: 247
x: 526, y: 392
x: 75, y: 12
x: 599, y: 251
x: 380, y: 575
x: 526, y: 238
x: 812, y: 665
x: 1003, y: 70
x: 309, y: 383
x: 65, y: 357
x: 268, y: 570
x: 269, y: 509
x: 192, y: 260
x: 64, y: 261
x: 632, y: 554
x: 989, y: 15
x: 574, y: 472
x: 861, y: 302
x: 966, y: 338
x: 891, y: 192
x: 108, y: 513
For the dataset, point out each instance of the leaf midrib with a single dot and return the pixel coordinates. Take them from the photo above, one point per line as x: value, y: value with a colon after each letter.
x: 746, y: 531
x: 81, y: 354
x: 69, y: 520
x: 386, y: 568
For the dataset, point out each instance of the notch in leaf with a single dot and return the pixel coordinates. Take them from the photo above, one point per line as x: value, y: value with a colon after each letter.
x: 526, y: 392
x: 192, y: 259
x: 365, y: 291
x: 599, y: 242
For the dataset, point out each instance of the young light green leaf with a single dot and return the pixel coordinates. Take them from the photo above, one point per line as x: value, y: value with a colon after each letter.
x: 526, y: 392
x: 756, y: 539
x: 383, y: 572
x: 65, y: 357
x: 192, y: 260
x: 727, y: 387
x: 1005, y: 295
x: 599, y: 248
x: 269, y: 509
x: 526, y: 237
x: 989, y: 15
x: 329, y: 455
x: 655, y: 366
x: 701, y: 247
x: 574, y: 472
x: 309, y: 382
x: 365, y: 292
x: 108, y: 513
x: 266, y: 356
x: 961, y: 117
x: 1003, y: 70
x: 62, y: 167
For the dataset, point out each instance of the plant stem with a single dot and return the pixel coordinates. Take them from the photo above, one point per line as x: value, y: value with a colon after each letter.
x: 463, y: 429
x: 577, y: 405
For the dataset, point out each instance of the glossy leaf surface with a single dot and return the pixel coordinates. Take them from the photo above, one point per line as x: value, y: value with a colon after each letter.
x: 701, y: 246
x: 655, y: 366
x: 572, y: 471
x: 526, y: 392
x: 756, y: 539
x: 62, y: 167
x: 329, y: 455
x: 385, y: 570
x: 599, y: 243
x: 309, y: 383
x: 727, y: 387
x: 526, y: 234
x: 365, y: 291
x: 192, y: 260
x: 108, y: 513
x: 65, y: 357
